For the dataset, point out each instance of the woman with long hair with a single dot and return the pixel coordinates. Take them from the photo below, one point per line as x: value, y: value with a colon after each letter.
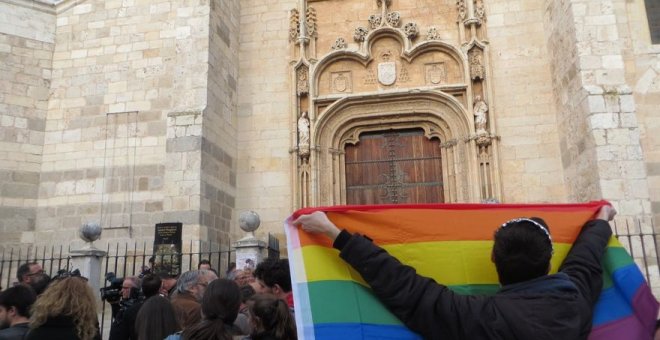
x: 271, y: 319
x: 156, y: 319
x: 220, y: 305
x: 65, y: 311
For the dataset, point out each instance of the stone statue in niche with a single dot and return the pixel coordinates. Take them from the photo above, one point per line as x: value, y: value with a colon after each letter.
x: 360, y: 34
x: 480, y: 115
x: 302, y: 83
x: 339, y: 44
x: 294, y: 25
x: 303, y: 135
x: 477, y: 69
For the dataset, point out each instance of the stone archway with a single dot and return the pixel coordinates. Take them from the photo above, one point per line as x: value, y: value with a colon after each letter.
x: 439, y: 115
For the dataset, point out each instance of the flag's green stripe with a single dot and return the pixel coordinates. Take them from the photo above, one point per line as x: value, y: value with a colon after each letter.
x: 350, y: 302
x: 615, y: 258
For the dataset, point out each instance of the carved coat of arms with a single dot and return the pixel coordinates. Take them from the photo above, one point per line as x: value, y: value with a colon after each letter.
x: 387, y: 73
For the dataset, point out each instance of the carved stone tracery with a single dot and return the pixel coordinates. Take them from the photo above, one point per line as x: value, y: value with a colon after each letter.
x: 411, y: 30
x: 433, y: 34
x: 294, y: 25
x: 310, y: 22
x: 360, y: 34
x: 302, y: 80
x: 356, y: 74
x: 375, y: 21
x: 394, y: 19
x: 339, y: 44
x: 476, y: 60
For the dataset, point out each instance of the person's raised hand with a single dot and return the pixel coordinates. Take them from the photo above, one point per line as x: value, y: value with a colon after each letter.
x: 318, y: 223
x: 606, y: 212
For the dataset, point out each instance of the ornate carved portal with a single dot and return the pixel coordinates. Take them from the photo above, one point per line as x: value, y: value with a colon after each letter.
x: 380, y: 85
x: 395, y: 166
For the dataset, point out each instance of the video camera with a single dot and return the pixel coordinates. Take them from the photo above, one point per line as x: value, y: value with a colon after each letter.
x: 112, y: 293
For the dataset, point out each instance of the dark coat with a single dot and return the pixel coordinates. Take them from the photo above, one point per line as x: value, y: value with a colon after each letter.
x: 16, y: 332
x: 553, y: 307
x: 57, y: 328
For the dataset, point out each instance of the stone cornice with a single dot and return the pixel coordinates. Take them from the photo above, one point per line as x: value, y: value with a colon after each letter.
x: 39, y: 5
x: 50, y: 7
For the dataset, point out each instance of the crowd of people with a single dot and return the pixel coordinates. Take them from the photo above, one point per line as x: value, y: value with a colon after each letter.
x: 196, y: 305
x: 246, y: 305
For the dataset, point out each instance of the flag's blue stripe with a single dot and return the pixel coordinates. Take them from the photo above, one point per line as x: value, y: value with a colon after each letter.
x: 628, y: 279
x: 611, y: 306
x: 359, y: 331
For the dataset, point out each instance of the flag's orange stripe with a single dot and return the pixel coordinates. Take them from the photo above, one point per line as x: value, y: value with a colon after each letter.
x: 412, y: 225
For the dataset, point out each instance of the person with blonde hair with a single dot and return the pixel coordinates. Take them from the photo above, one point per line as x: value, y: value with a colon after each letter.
x: 65, y: 311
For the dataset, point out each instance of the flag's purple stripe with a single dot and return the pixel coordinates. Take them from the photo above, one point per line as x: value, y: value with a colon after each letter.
x: 611, y: 306
x: 646, y: 307
x: 624, y: 329
x: 360, y: 331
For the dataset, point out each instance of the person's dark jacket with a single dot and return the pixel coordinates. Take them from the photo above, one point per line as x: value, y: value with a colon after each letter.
x: 15, y: 332
x: 558, y: 306
x: 123, y: 326
x: 57, y: 328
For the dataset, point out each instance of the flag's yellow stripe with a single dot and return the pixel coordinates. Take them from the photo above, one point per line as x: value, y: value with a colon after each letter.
x: 448, y: 262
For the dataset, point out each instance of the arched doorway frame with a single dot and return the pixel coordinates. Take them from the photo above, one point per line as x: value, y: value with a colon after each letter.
x: 440, y: 116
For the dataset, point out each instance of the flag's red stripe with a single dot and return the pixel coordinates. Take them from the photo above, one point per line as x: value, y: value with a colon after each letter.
x: 429, y: 223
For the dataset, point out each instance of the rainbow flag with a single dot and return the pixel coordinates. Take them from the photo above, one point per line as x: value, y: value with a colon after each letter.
x: 450, y: 243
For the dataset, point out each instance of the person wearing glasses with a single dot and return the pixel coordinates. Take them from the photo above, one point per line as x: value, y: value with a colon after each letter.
x: 187, y: 298
x: 531, y: 303
x: 27, y: 271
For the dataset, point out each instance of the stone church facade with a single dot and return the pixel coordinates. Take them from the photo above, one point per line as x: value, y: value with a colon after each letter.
x: 136, y: 112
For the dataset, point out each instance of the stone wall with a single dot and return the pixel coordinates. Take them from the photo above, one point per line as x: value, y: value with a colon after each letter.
x: 525, y: 114
x: 642, y: 60
x: 218, y: 163
x: 600, y: 135
x: 26, y: 52
x: 124, y: 71
x: 265, y: 125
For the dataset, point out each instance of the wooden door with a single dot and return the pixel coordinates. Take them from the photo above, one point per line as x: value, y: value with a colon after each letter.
x: 394, y: 167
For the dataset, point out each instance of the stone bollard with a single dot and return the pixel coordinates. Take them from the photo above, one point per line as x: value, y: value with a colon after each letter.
x: 88, y: 258
x: 249, y: 250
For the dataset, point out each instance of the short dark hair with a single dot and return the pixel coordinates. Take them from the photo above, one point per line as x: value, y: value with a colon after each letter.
x: 246, y: 293
x: 20, y: 297
x: 23, y: 270
x: 151, y: 285
x: 156, y: 319
x: 204, y: 262
x: 273, y: 271
x: 522, y: 251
